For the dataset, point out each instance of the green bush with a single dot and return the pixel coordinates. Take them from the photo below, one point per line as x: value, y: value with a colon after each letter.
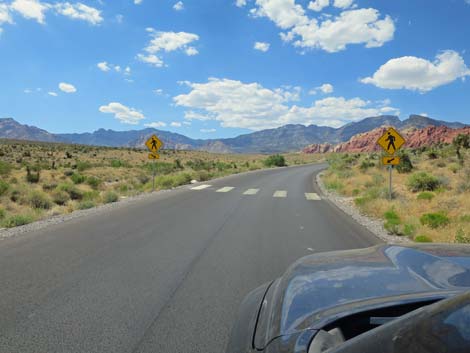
x: 2, y: 213
x: 90, y: 195
x: 366, y: 164
x: 93, y: 182
x: 85, y: 205
x: 82, y: 166
x: 182, y: 179
x: 434, y: 220
x: 110, y: 197
x: 60, y: 197
x: 49, y: 186
x: 423, y: 181
x: 461, y: 237
x: 392, y: 222
x: 334, y: 185
x: 425, y: 195
x: 72, y: 190
x: 39, y: 200
x: 203, y: 175
x: 117, y: 163
x: 276, y: 160
x: 31, y: 177
x: 15, y: 195
x: 199, y: 164
x: 422, y: 239
x: 465, y: 218
x: 405, y: 165
x: 17, y: 220
x: 409, y: 229
x: 5, y: 168
x: 78, y: 178
x: 4, y: 186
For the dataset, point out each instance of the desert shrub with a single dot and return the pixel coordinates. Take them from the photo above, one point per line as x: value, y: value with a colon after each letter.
x: 203, y: 175
x: 17, y: 220
x: 276, y: 160
x: 178, y: 164
x: 423, y: 181
x: 143, y: 178
x: 392, y: 222
x: 409, y: 229
x: 461, y: 237
x: 465, y: 218
x: 90, y: 195
x: 83, y: 165
x: 199, y: 164
x: 117, y: 163
x: 464, y: 184
x: 110, y: 197
x: 39, y: 200
x: 32, y: 177
x: 85, y: 205
x: 165, y: 181
x: 334, y: 185
x: 5, y: 168
x: 366, y: 164
x: 441, y: 164
x: 4, y: 186
x: 15, y: 195
x: 2, y: 213
x: 434, y: 220
x: 49, y: 186
x: 361, y: 201
x: 422, y: 239
x: 356, y: 192
x: 405, y: 165
x: 425, y: 195
x: 433, y: 155
x: 72, y: 190
x: 78, y: 178
x: 69, y: 173
x: 454, y: 167
x: 60, y: 197
x: 93, y: 182
x: 221, y: 166
x: 182, y: 179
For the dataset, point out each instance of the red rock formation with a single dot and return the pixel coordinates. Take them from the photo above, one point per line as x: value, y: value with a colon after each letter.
x: 366, y: 142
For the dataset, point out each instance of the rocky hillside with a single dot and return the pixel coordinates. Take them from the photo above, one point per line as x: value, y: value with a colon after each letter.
x: 283, y: 139
x: 366, y: 142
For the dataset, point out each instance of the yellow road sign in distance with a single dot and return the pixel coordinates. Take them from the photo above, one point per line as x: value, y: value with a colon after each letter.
x: 154, y: 156
x: 391, y: 160
x: 391, y: 141
x: 154, y: 144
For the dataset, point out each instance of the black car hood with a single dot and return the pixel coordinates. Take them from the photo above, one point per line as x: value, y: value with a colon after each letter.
x: 324, y: 286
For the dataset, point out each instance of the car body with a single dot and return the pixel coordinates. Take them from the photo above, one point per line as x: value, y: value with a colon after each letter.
x: 348, y: 290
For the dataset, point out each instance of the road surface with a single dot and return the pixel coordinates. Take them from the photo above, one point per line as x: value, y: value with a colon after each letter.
x: 165, y: 274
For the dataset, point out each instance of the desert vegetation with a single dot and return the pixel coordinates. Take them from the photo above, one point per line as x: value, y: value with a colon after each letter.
x: 39, y: 180
x: 431, y: 190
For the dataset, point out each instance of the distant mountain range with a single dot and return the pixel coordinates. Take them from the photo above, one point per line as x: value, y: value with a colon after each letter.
x: 283, y: 139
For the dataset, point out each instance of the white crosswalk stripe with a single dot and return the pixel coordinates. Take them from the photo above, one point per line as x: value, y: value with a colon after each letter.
x: 312, y: 196
x: 226, y: 189
x: 251, y: 192
x: 280, y: 193
x: 201, y: 187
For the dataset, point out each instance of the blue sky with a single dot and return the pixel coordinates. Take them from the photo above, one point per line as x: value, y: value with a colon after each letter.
x: 215, y: 68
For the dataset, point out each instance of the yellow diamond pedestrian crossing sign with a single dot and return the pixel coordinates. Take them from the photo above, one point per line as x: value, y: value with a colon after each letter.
x: 154, y: 144
x: 391, y: 141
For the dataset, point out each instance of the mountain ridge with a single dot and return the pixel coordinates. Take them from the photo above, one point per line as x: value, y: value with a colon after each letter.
x: 292, y: 137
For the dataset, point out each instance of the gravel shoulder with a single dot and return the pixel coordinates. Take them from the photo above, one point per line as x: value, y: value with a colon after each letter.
x: 346, y: 204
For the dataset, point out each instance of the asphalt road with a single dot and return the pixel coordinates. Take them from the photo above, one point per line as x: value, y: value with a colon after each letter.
x: 165, y: 274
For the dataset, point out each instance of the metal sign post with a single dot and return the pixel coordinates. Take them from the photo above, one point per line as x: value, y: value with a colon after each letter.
x: 391, y: 141
x: 154, y: 144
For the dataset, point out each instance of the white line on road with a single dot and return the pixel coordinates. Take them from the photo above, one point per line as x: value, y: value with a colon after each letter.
x: 280, y: 193
x: 251, y: 192
x: 312, y: 196
x: 201, y: 187
x: 226, y: 189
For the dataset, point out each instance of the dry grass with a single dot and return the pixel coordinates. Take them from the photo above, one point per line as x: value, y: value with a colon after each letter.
x: 75, y: 177
x: 368, y: 185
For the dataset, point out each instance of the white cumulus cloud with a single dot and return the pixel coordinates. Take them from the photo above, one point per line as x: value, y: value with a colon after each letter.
x: 103, y: 66
x: 343, y: 4
x: 332, y: 34
x: 178, y: 6
x: 318, y: 5
x: 5, y: 16
x: 241, y: 3
x: 122, y: 113
x: 31, y: 9
x: 67, y: 87
x: 261, y: 46
x: 417, y: 74
x: 79, y: 11
x: 156, y: 124
x: 252, y: 106
x: 167, y: 42
x: 325, y: 88
x: 175, y: 124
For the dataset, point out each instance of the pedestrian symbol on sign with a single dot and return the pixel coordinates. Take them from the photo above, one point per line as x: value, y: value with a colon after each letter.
x: 391, y: 142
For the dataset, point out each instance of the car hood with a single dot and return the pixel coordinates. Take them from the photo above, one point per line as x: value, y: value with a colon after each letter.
x: 322, y: 287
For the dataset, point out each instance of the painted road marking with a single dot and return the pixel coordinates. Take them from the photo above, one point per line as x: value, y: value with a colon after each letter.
x: 312, y: 196
x: 280, y: 193
x: 251, y: 192
x: 226, y: 189
x: 201, y: 187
